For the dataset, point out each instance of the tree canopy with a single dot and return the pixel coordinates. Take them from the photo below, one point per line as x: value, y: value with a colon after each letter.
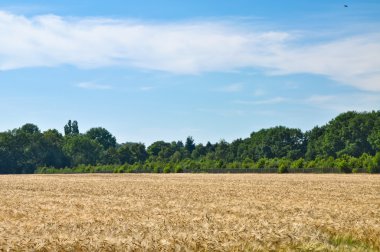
x: 350, y: 140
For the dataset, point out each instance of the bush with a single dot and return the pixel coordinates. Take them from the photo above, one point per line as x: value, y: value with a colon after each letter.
x: 282, y: 169
x: 375, y: 164
x: 130, y: 169
x: 118, y: 170
x: 178, y: 169
x: 156, y: 169
x: 297, y: 164
x: 273, y: 163
x: 167, y: 169
x: 261, y: 163
x: 248, y: 163
x: 343, y: 165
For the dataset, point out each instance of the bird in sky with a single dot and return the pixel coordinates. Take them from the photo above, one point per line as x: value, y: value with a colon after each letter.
x: 345, y: 5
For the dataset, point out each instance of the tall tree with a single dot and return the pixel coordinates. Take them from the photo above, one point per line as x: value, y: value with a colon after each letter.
x: 102, y: 136
x: 222, y: 150
x: 75, y: 128
x: 28, y: 148
x: 71, y: 128
x: 68, y: 128
x: 189, y: 144
x: 8, y: 153
x: 349, y: 133
x: 314, y: 139
x: 82, y: 150
x: 278, y: 142
x: 53, y: 155
x: 132, y: 153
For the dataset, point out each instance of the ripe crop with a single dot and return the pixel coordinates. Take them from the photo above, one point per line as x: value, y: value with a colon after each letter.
x: 196, y: 212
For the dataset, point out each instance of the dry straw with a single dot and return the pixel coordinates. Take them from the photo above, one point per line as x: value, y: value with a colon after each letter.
x: 190, y: 212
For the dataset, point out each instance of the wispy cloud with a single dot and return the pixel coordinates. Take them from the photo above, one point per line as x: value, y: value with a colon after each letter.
x: 184, y: 48
x: 362, y: 101
x: 146, y: 88
x: 92, y: 85
x: 224, y: 112
x: 275, y: 100
x: 359, y: 101
x: 232, y: 88
x: 27, y: 8
x: 320, y: 99
x: 259, y: 92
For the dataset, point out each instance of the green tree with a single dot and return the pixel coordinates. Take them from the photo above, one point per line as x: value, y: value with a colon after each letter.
x: 374, y: 139
x: 71, y: 128
x: 132, y: 153
x: 8, y: 153
x: 27, y: 148
x: 176, y: 157
x: 298, y: 164
x: 222, y: 150
x: 375, y: 167
x: 139, y: 152
x: 278, y: 142
x: 68, y: 128
x: 284, y: 165
x: 102, y: 136
x: 75, y: 128
x: 248, y: 163
x: 111, y: 156
x: 350, y: 133
x: 314, y: 140
x: 343, y: 164
x: 82, y: 150
x: 160, y: 149
x: 53, y: 155
x: 125, y: 154
x: 189, y: 145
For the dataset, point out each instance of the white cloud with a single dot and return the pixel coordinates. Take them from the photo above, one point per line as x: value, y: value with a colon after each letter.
x: 183, y: 48
x: 92, y: 85
x: 354, y: 61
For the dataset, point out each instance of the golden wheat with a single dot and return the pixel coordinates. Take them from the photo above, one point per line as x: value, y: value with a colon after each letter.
x: 189, y: 212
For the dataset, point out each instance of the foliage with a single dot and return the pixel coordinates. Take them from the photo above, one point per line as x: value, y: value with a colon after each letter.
x: 375, y: 164
x: 102, y: 136
x: 71, y: 128
x: 350, y: 142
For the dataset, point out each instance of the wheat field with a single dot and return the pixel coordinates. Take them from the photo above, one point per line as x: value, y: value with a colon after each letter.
x: 190, y: 212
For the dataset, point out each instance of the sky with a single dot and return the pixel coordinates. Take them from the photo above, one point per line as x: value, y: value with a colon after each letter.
x: 164, y: 69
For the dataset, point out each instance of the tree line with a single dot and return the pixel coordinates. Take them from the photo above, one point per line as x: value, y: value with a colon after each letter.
x: 349, y: 143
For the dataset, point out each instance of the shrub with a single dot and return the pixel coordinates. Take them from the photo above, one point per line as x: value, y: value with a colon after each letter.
x: 297, y: 164
x: 374, y: 167
x: 343, y: 165
x: 261, y: 163
x: 178, y: 169
x: 167, y: 169
x: 283, y: 165
x: 248, y: 163
x: 282, y: 169
x: 156, y: 169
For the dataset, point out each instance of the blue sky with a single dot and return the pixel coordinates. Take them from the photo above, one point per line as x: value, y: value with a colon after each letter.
x: 164, y: 70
